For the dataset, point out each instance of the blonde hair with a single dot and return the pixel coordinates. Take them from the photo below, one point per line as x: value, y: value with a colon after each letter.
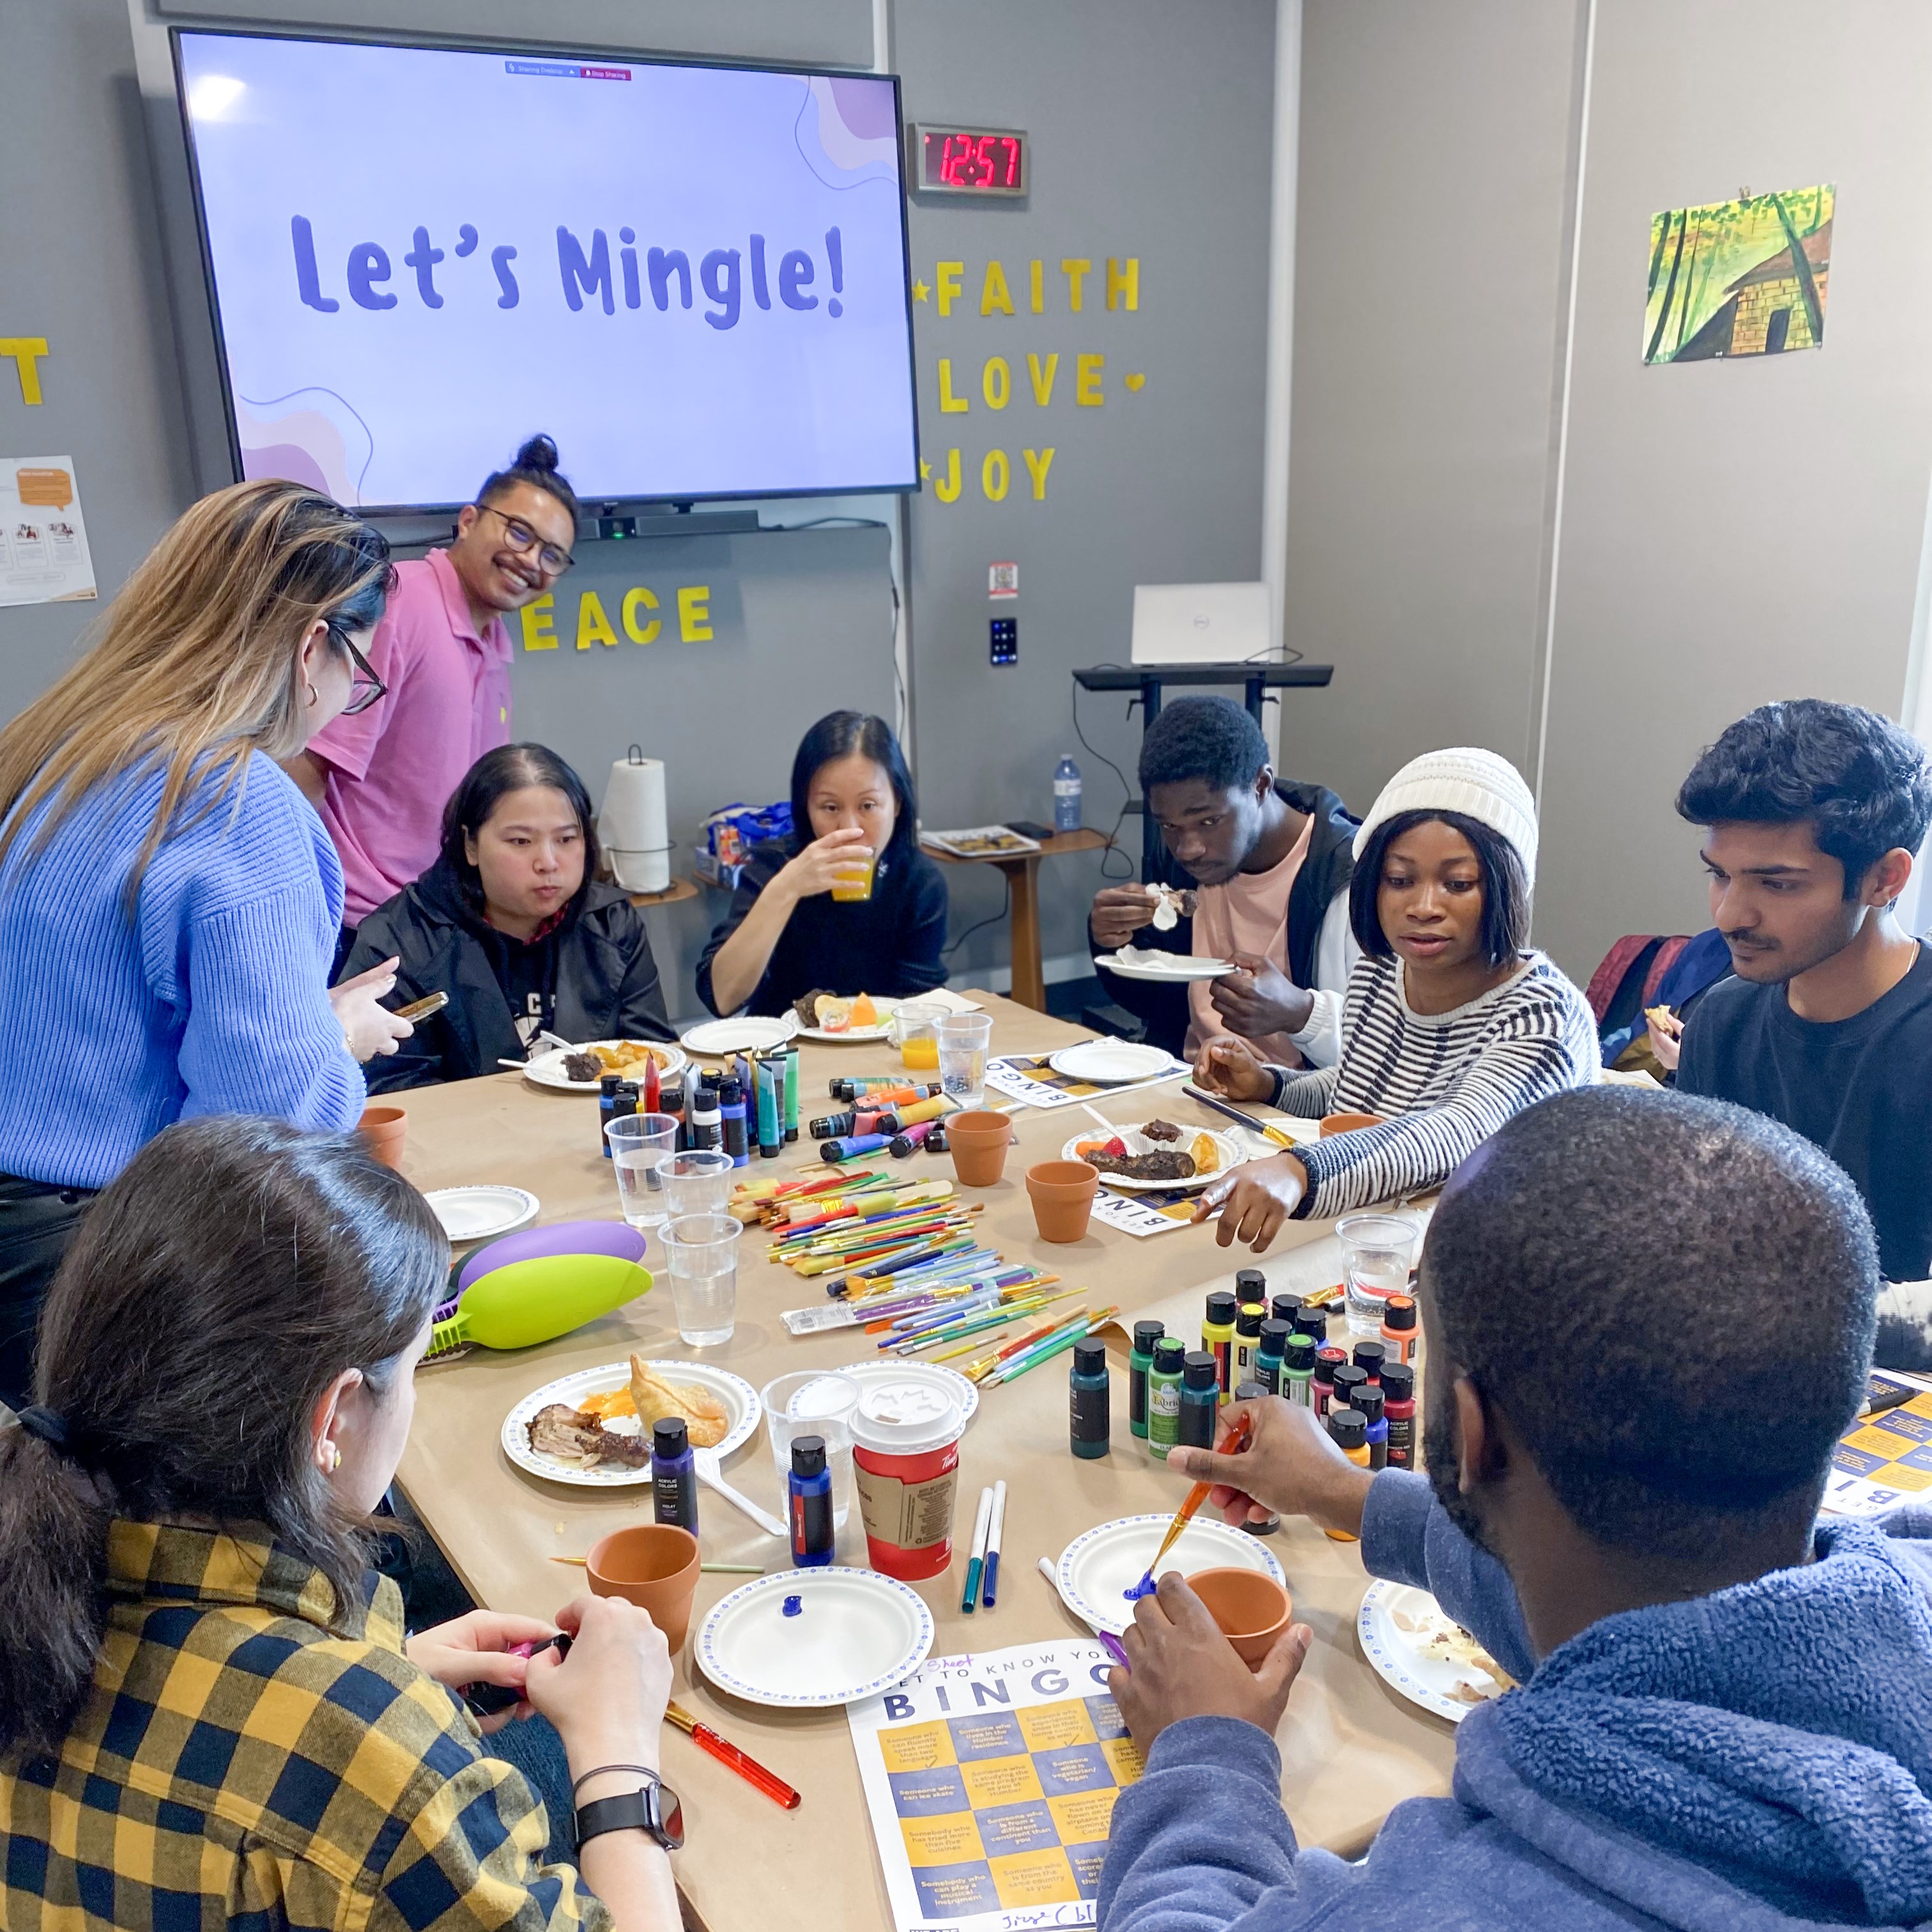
x: 197, y: 658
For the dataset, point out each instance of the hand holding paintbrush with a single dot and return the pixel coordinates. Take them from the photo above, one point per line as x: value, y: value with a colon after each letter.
x: 1232, y: 1444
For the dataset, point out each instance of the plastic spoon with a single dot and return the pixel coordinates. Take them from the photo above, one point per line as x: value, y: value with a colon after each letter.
x: 709, y: 1473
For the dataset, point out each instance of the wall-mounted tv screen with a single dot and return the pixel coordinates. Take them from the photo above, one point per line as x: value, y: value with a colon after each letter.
x: 694, y: 278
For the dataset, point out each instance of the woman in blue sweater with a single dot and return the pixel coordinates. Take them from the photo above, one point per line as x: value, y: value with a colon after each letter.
x: 169, y: 902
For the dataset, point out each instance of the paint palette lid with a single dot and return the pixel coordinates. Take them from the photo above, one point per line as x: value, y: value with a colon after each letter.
x: 807, y: 1639
x: 1096, y: 1570
x: 904, y: 1416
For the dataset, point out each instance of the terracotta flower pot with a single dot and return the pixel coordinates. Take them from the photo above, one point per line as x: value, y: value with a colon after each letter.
x: 979, y: 1142
x: 1062, y: 1194
x: 1253, y: 1610
x: 385, y: 1129
x: 1347, y: 1123
x: 654, y: 1566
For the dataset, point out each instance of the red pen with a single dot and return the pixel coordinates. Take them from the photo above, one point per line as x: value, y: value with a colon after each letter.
x: 748, y: 1768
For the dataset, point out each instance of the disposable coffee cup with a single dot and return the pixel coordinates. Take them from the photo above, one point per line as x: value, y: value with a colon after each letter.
x: 905, y: 1462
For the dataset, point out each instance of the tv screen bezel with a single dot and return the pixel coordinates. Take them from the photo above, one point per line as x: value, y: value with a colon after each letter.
x: 535, y: 50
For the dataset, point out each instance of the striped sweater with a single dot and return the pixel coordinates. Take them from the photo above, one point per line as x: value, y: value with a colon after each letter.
x: 212, y: 999
x: 1444, y: 1081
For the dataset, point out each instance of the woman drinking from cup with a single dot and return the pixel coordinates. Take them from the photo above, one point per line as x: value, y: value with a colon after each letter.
x: 169, y: 902
x: 209, y: 1714
x: 512, y: 924
x: 1451, y: 1023
x: 848, y: 903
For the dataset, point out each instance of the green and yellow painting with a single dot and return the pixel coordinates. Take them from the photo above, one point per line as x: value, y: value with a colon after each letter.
x: 1739, y: 277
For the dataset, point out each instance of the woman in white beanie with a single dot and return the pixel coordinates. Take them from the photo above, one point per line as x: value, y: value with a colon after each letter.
x: 1451, y: 1024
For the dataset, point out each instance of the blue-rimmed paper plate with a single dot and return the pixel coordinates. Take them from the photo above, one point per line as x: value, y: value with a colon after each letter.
x: 740, y: 1400
x: 1096, y: 1571
x: 1423, y: 1652
x: 856, y: 1633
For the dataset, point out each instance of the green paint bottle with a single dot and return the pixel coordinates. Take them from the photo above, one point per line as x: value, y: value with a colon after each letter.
x: 1297, y: 1369
x: 1146, y: 1334
x: 1164, y: 1395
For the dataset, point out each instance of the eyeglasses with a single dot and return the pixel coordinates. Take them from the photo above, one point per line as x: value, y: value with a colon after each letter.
x: 364, y: 686
x: 523, y: 538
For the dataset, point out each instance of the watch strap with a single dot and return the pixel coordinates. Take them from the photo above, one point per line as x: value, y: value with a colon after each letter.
x: 654, y: 1810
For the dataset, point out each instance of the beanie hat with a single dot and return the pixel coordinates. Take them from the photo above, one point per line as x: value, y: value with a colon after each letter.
x: 1477, y: 784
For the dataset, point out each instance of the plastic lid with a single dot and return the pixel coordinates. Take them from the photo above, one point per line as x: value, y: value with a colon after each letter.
x: 1284, y: 1308
x: 1348, y: 1379
x: 1328, y: 1356
x: 1199, y: 1370
x: 808, y: 1455
x: 1274, y: 1337
x: 822, y: 1401
x: 669, y: 1438
x: 1313, y: 1322
x: 1250, y: 1391
x: 906, y: 1418
x: 731, y: 1091
x: 1368, y: 1401
x: 1348, y: 1428
x: 1221, y: 1305
x: 1369, y: 1355
x: 1168, y: 1356
x: 1249, y: 1320
x: 1398, y: 1311
x: 607, y: 1083
x: 1398, y: 1382
x: 1300, y: 1354
x: 1251, y: 1285
x: 1090, y: 1357
x: 1146, y: 1334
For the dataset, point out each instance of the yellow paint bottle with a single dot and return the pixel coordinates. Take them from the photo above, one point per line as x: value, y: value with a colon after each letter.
x: 1348, y: 1430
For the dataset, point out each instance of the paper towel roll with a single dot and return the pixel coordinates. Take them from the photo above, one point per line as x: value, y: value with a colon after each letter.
x: 633, y: 826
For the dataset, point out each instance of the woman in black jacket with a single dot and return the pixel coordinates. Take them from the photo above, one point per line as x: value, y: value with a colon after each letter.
x: 511, y: 923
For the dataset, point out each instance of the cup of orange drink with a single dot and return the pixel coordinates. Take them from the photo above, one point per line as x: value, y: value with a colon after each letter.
x: 915, y: 1031
x: 852, y: 883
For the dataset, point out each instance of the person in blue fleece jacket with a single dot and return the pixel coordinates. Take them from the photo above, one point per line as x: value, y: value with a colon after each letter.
x: 1723, y: 1717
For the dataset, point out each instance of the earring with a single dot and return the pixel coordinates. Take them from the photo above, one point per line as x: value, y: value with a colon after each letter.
x: 314, y: 696
x: 334, y: 1457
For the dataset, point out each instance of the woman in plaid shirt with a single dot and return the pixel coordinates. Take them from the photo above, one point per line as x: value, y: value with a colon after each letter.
x: 208, y: 1714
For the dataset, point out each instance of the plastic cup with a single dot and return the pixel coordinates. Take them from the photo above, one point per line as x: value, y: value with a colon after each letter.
x: 915, y: 1031
x: 702, y: 1251
x: 905, y: 1458
x: 964, y: 1039
x: 653, y: 1565
x: 638, y: 1141
x: 696, y: 1182
x: 852, y: 883
x: 808, y: 1402
x: 383, y: 1129
x: 1253, y: 1610
x: 1377, y: 1251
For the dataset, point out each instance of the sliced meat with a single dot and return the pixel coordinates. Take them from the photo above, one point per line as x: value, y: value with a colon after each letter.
x: 1162, y: 1164
x: 571, y: 1435
x: 1161, y: 1130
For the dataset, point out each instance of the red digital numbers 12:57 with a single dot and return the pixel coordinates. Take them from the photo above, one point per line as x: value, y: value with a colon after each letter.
x: 971, y: 160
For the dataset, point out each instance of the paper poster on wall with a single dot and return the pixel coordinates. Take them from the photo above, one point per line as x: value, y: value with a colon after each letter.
x: 1744, y: 277
x: 43, y: 557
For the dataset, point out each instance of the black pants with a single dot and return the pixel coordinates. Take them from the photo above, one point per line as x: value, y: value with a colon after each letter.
x: 37, y: 1222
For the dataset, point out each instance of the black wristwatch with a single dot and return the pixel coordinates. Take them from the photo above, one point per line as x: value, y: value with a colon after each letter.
x: 655, y: 1810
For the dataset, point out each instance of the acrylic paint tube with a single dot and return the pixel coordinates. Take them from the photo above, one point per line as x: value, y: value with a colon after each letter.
x: 731, y: 1118
x: 770, y: 1075
x: 903, y: 1146
x: 848, y: 1147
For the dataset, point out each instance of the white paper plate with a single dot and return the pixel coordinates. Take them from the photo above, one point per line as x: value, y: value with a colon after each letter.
x: 856, y: 1036
x: 891, y: 1368
x: 481, y: 1213
x: 748, y: 1032
x: 857, y: 1633
x: 1113, y: 1063
x: 1097, y: 1569
x: 1148, y: 962
x: 1426, y: 1673
x: 547, y: 1068
x: 739, y: 1398
x: 1229, y: 1150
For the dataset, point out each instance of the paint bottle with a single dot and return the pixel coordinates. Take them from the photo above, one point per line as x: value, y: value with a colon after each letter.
x: 1146, y: 1334
x: 1398, y: 1407
x: 1368, y: 1402
x: 1347, y: 1378
x: 1313, y: 1322
x: 673, y: 1474
x: 1268, y: 1357
x: 1285, y: 1308
x: 1298, y: 1370
x: 1164, y: 1396
x: 731, y: 1117
x: 808, y: 1492
x: 849, y: 1146
x: 770, y: 1076
x: 1368, y: 1358
x: 1399, y: 1332
x: 607, y: 1106
x: 1248, y: 1320
x: 707, y: 1129
x: 791, y: 1094
x: 1089, y: 1419
x: 1269, y: 1524
x: 1349, y: 1433
x: 670, y: 1100
x: 1250, y: 1284
x: 1200, y: 1398
x: 1321, y: 1387
x: 1217, y: 1338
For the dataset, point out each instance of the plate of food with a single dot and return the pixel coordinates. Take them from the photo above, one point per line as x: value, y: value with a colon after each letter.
x: 577, y: 1069
x: 829, y: 1016
x: 981, y: 841
x: 1097, y: 1571
x: 591, y: 1428
x: 1156, y: 1157
x: 1421, y: 1651
x: 743, y: 1032
x: 1114, y: 1063
x: 805, y: 1639
x: 1149, y: 962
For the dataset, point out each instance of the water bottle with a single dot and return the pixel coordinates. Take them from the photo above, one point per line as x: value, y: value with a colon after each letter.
x: 1066, y: 797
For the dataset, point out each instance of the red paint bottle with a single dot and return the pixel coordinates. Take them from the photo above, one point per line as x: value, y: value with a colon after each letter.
x: 1399, y: 1409
x: 1322, y: 1388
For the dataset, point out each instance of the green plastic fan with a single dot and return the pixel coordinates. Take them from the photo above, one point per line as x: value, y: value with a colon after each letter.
x: 537, y: 1300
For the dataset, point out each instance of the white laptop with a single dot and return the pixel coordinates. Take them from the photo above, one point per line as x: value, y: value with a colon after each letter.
x: 1199, y: 623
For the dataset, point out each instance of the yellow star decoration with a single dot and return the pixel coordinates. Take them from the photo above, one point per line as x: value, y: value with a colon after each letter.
x: 925, y: 469
x: 920, y: 292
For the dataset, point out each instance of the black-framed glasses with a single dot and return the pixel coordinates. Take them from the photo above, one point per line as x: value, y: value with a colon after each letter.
x: 523, y: 538
x: 365, y: 688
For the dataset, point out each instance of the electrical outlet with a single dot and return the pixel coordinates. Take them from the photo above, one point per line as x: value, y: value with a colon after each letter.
x: 1005, y: 633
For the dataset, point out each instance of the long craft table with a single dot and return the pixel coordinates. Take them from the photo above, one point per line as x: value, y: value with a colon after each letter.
x: 1351, y: 1749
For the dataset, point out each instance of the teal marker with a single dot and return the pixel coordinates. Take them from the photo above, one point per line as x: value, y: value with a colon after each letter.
x: 977, y: 1564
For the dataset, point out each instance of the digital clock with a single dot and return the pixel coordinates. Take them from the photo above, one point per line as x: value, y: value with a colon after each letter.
x: 988, y: 162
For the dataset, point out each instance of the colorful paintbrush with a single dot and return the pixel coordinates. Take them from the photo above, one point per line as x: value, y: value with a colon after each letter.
x: 1232, y: 1444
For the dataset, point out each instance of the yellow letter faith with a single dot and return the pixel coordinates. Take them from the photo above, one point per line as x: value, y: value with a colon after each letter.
x: 949, y: 404
x: 995, y: 474
x: 947, y: 275
x: 1123, y: 281
x: 592, y: 626
x: 538, y: 634
x: 1042, y: 379
x: 640, y: 634
x: 694, y: 613
x: 1036, y: 278
x: 996, y: 382
x: 947, y: 487
x: 1074, y: 267
x: 27, y: 349
x: 1087, y: 381
x: 993, y: 295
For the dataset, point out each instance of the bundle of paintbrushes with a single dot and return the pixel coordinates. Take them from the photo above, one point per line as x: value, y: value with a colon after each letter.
x: 860, y: 1237
x: 1008, y: 1363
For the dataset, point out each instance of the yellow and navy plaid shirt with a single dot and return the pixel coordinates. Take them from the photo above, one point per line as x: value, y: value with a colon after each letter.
x: 238, y: 1764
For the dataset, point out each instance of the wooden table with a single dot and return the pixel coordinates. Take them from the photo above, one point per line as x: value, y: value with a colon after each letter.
x: 1350, y: 1748
x: 1022, y: 871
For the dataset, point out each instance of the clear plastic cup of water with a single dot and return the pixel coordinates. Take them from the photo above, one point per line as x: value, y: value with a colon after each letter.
x: 964, y: 1039
x: 808, y: 1402
x: 696, y: 1182
x: 1377, y: 1251
x: 638, y: 1141
x: 701, y: 1251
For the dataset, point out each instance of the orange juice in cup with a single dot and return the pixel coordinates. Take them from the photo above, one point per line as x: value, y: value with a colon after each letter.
x: 852, y: 883
x: 916, y: 1030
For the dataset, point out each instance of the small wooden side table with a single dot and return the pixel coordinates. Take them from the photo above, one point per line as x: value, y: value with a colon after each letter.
x: 1022, y: 871
x: 673, y: 894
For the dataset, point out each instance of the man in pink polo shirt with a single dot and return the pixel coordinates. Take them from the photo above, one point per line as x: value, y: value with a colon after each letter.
x: 381, y: 778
